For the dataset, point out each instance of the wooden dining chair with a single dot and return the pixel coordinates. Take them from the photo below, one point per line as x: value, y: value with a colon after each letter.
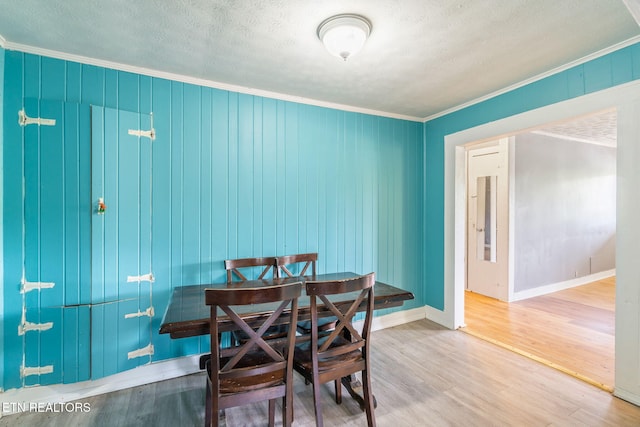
x: 285, y: 264
x: 234, y: 267
x: 237, y: 272
x: 286, y: 267
x: 257, y: 369
x: 344, y: 351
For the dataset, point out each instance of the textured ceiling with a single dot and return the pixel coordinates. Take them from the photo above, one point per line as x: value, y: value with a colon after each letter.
x: 423, y: 56
x: 599, y: 128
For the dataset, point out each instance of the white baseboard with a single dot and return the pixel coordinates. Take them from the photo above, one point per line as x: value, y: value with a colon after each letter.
x: 397, y: 318
x: 62, y: 393
x: 438, y: 316
x: 154, y: 372
x: 554, y: 287
x: 627, y: 395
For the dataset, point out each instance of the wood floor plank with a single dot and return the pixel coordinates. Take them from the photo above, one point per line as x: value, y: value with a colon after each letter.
x: 573, y: 329
x: 422, y: 375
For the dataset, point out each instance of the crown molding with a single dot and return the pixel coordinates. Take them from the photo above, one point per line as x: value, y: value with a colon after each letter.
x: 200, y: 82
x: 544, y: 75
x: 298, y: 99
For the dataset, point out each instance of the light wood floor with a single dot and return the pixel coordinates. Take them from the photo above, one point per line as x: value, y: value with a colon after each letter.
x: 423, y: 375
x: 572, y: 329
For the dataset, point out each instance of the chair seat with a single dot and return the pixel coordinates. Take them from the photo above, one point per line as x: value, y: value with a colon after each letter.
x: 250, y: 360
x: 302, y: 355
x: 324, y: 324
x: 273, y: 332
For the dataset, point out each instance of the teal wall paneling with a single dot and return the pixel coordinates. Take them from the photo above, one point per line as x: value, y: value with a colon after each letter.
x: 191, y: 186
x: 231, y: 175
x: 50, y: 206
x: 203, y: 160
x: 76, y: 339
x: 50, y: 347
x: 243, y: 162
x: 121, y: 240
x: 267, y: 186
x: 52, y: 78
x: 73, y: 82
x: 98, y: 270
x: 176, y: 188
x: 13, y: 214
x: 161, y: 226
x: 46, y: 243
x: 32, y: 74
x: 77, y: 225
x: 92, y: 85
x: 231, y: 199
x: 111, y: 89
x: 220, y: 116
x: 609, y: 70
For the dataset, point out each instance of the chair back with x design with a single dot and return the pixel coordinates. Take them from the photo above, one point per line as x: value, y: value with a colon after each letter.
x: 234, y: 266
x: 285, y: 264
x: 334, y: 343
x: 255, y: 369
x: 334, y: 355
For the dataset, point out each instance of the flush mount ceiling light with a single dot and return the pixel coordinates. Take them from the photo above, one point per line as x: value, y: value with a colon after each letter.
x: 344, y: 35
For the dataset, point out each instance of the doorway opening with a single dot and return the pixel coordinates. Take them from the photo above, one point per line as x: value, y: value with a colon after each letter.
x: 626, y: 99
x: 562, y: 185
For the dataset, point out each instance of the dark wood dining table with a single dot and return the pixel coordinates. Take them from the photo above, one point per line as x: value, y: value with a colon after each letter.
x: 187, y: 315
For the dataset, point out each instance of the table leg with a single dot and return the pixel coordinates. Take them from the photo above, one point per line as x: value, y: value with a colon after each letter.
x: 354, y: 387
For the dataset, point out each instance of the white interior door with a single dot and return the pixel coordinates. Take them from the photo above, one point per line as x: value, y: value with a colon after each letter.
x: 487, y: 220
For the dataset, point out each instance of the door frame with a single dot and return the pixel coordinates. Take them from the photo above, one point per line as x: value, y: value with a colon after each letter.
x: 621, y: 97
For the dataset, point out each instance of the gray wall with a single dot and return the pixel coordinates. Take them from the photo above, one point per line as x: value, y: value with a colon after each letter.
x: 565, y: 210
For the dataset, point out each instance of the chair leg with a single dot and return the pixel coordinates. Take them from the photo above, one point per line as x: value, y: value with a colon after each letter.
x: 272, y: 412
x: 215, y: 413
x: 338, y: 389
x: 368, y: 398
x: 317, y: 405
x: 287, y: 410
x: 207, y: 407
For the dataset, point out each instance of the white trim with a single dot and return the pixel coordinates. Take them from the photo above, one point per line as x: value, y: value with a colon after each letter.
x: 61, y: 393
x: 454, y: 226
x: 627, y: 310
x: 512, y: 218
x: 3, y: 42
x: 397, y: 318
x: 200, y: 82
x: 2, y: 66
x: 544, y: 75
x: 393, y: 319
x: 438, y: 316
x: 628, y: 396
x: 554, y: 287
